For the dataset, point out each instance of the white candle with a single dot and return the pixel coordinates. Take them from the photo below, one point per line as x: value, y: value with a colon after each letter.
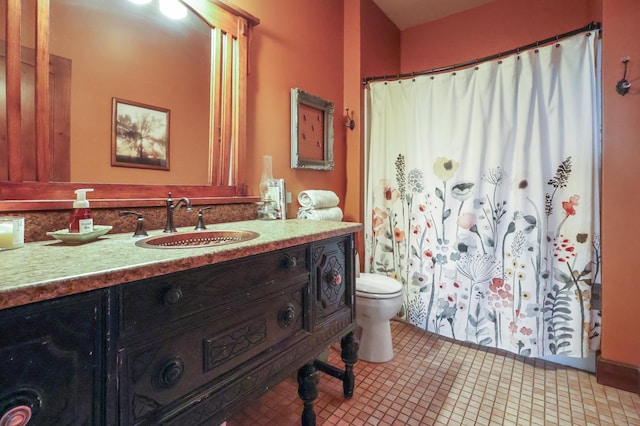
x: 11, y: 232
x: 6, y: 235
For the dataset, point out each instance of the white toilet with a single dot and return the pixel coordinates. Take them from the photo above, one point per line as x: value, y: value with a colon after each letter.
x: 378, y: 299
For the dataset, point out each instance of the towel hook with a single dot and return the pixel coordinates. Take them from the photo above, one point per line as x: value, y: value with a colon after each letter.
x: 349, y: 121
x: 623, y: 85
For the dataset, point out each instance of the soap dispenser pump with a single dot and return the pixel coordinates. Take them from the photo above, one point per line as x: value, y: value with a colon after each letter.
x: 81, y: 219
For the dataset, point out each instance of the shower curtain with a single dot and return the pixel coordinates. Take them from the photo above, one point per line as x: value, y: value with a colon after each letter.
x: 482, y: 193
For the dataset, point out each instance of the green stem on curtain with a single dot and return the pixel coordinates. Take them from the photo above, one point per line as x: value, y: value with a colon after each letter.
x: 497, y: 328
x: 470, y: 300
x: 536, y: 268
x: 433, y: 290
x: 474, y: 229
x: 582, y: 318
x: 435, y: 228
x: 444, y: 209
x: 459, y: 212
x: 560, y: 226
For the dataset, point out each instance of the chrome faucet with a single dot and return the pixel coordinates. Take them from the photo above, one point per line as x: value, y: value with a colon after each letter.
x: 170, y: 227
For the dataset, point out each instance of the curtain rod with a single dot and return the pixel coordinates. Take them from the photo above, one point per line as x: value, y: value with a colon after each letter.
x: 590, y: 27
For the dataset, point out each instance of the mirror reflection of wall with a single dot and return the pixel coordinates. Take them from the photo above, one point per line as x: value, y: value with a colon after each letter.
x: 134, y: 52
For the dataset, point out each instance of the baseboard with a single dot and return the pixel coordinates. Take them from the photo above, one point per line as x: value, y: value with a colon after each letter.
x: 618, y: 375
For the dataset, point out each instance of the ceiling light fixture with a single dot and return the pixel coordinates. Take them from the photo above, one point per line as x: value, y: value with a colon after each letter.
x: 173, y: 9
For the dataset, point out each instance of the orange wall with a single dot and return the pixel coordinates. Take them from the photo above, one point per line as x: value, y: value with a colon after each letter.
x: 297, y: 44
x: 496, y: 26
x: 620, y: 203
x: 352, y: 56
x: 380, y: 42
x: 369, y: 28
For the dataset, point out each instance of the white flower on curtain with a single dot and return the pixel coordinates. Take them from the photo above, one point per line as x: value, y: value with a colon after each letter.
x: 491, y: 232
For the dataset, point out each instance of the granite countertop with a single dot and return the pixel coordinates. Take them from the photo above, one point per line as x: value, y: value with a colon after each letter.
x: 49, y: 269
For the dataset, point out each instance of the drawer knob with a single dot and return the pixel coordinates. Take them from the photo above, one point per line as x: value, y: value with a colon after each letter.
x: 334, y: 278
x: 287, y: 316
x: 16, y: 416
x: 172, y: 296
x: 290, y: 262
x: 169, y: 373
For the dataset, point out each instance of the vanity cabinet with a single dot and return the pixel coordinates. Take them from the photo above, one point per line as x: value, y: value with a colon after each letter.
x: 183, y: 348
x: 194, y: 346
x: 51, y: 362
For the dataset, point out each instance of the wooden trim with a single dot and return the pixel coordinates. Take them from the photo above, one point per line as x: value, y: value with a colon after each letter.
x: 618, y: 375
x: 43, y: 106
x: 50, y: 205
x: 209, y: 10
x: 240, y: 78
x: 14, y: 112
x: 25, y: 196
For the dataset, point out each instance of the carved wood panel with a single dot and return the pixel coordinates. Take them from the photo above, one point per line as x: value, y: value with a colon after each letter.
x: 49, y: 362
x: 331, y: 279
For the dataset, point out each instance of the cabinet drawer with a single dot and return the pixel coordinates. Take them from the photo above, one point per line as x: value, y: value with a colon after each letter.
x: 157, y: 375
x: 213, y: 289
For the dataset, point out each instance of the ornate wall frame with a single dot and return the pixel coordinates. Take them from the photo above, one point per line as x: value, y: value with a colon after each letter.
x: 311, y: 131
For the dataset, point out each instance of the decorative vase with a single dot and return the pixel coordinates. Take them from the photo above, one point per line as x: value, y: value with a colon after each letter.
x: 267, y: 211
x: 267, y: 175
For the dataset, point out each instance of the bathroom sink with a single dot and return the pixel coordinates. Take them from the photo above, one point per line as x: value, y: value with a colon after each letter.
x: 197, y: 239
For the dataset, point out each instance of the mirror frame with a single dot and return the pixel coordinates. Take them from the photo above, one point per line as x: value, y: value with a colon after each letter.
x: 324, y: 107
x: 17, y: 195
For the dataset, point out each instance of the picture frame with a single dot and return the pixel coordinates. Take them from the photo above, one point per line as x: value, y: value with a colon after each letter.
x: 139, y: 135
x: 311, y: 131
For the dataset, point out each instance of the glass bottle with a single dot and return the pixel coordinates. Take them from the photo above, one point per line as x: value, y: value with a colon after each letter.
x: 267, y: 175
x: 267, y: 210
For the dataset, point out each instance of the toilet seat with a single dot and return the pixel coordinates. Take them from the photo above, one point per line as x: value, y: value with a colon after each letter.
x: 374, y: 286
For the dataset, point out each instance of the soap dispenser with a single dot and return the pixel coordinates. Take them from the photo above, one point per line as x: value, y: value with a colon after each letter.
x: 81, y: 219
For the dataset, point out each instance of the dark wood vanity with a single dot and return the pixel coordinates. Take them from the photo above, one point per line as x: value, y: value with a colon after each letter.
x: 187, y: 347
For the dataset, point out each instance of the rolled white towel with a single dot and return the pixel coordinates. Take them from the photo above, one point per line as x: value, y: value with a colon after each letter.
x: 331, y: 213
x: 318, y: 199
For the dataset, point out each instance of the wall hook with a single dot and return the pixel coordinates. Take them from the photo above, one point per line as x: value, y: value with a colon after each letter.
x: 349, y: 120
x: 623, y: 85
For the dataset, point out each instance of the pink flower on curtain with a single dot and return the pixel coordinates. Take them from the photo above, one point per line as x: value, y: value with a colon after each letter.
x: 526, y: 331
x: 568, y: 206
x: 379, y: 219
x: 564, y: 249
x: 389, y: 194
x: 398, y: 235
x: 466, y: 220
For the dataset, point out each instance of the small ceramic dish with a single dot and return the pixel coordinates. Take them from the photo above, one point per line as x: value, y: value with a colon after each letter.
x: 77, y: 238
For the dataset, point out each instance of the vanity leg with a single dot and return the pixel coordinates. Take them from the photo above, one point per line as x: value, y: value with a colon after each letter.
x: 308, y: 392
x: 349, y: 354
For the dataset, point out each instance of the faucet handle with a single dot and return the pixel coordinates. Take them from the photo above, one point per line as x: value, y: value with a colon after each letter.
x: 200, y: 225
x: 140, y: 229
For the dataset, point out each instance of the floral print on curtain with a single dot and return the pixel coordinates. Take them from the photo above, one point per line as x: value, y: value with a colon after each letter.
x: 476, y: 270
x: 494, y: 243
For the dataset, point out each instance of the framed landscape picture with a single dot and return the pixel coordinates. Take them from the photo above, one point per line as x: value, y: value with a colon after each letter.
x: 139, y: 135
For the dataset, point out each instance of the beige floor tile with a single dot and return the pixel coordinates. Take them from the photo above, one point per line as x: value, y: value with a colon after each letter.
x: 435, y: 381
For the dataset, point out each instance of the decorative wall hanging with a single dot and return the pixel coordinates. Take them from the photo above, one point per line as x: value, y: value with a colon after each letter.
x: 139, y: 135
x: 311, y: 131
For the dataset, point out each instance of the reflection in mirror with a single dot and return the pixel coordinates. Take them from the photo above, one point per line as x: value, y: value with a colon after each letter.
x: 118, y: 49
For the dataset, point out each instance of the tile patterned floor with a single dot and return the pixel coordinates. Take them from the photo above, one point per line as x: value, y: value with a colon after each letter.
x: 435, y: 381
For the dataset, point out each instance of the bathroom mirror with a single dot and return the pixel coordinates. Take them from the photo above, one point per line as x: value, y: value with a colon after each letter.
x: 134, y: 53
x: 311, y: 131
x: 217, y: 96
